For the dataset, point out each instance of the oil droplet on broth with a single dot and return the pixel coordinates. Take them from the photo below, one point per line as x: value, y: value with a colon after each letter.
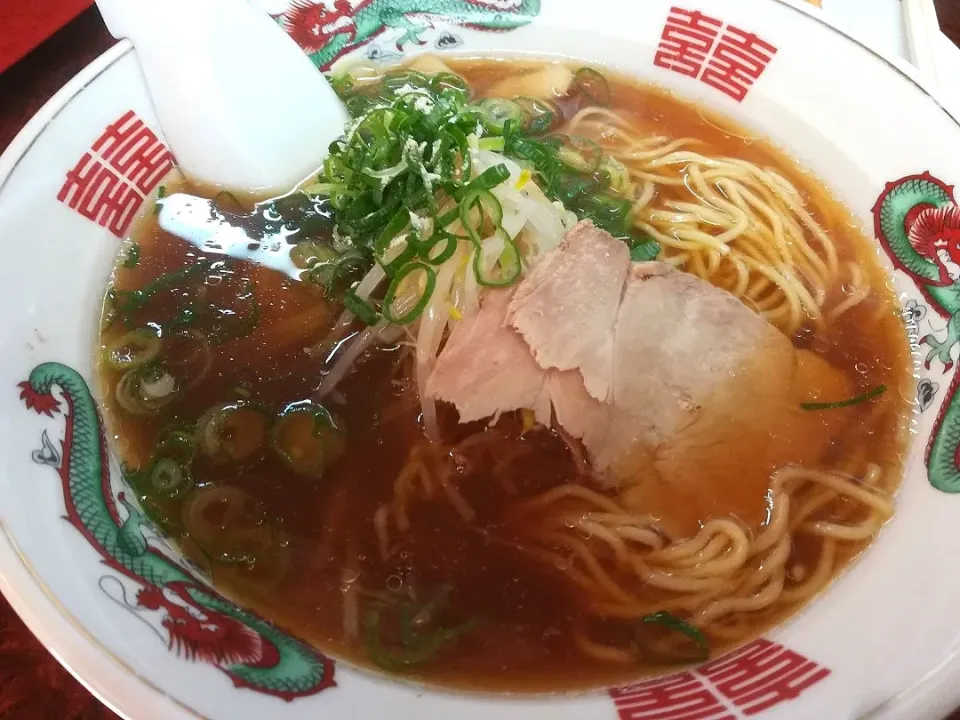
x: 394, y: 583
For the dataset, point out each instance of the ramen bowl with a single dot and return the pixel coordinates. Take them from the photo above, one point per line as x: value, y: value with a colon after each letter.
x: 115, y: 602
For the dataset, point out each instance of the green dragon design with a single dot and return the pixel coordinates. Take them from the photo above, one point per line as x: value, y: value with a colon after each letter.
x: 201, y: 624
x: 918, y: 222
x: 326, y: 32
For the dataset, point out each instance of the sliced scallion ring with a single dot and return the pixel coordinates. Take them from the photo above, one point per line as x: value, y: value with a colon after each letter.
x: 447, y: 243
x: 147, y: 389
x: 132, y: 349
x: 507, y: 267
x: 477, y: 206
x: 487, y: 180
x: 592, y: 85
x: 350, y: 263
x: 168, y: 477
x: 387, y: 248
x: 307, y: 253
x: 538, y: 116
x: 419, y: 301
x: 233, y: 432
x: 497, y: 111
x: 308, y: 438
x: 180, y: 444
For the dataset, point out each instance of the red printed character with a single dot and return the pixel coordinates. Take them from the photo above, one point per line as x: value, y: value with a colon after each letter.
x: 686, y: 41
x: 676, y: 697
x: 99, y: 194
x: 738, y: 60
x: 761, y: 675
x: 135, y: 152
x: 123, y: 166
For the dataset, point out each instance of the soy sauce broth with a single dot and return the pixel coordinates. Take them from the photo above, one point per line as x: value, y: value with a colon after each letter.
x: 317, y: 569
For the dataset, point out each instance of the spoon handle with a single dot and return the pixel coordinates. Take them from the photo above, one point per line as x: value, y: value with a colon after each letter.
x: 240, y: 105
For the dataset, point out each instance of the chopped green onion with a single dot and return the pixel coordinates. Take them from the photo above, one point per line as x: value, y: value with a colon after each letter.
x: 308, y: 438
x: 417, y: 647
x: 700, y: 650
x: 507, y: 265
x: 449, y: 248
x: 233, y: 432
x: 361, y: 308
x: 538, y: 116
x: 128, y: 302
x: 617, y: 173
x: 307, y: 253
x: 326, y: 275
x: 238, y: 324
x: 168, y: 477
x: 497, y: 111
x: 365, y: 215
x: 477, y: 206
x: 146, y: 389
x: 869, y: 395
x: 410, y: 142
x: 490, y: 178
x: 358, y: 105
x: 161, y: 193
x: 644, y: 250
x: 449, y: 81
x: 133, y: 349
x: 384, y: 244
x: 422, y: 298
x: 169, y: 470
x: 580, y: 153
x: 133, y: 257
x: 487, y: 180
x: 403, y: 79
x: 178, y: 443
x: 491, y: 143
x: 592, y: 85
x: 342, y: 83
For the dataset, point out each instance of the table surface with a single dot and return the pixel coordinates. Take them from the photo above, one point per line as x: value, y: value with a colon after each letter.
x: 32, y: 683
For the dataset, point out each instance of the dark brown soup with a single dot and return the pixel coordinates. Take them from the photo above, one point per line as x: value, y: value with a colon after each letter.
x: 452, y: 562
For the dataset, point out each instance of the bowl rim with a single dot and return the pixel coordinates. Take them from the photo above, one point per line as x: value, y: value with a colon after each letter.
x: 104, y: 675
x: 118, y: 686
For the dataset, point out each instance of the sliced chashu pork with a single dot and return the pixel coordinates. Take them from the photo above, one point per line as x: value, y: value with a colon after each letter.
x: 700, y: 395
x: 586, y: 293
x: 486, y: 368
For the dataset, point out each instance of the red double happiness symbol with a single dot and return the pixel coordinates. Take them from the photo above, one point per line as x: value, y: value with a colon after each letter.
x: 122, y: 167
x: 722, y: 56
x: 739, y: 685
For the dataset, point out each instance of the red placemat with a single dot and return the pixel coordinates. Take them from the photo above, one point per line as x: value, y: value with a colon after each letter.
x: 33, y: 686
x: 32, y: 682
x: 27, y: 24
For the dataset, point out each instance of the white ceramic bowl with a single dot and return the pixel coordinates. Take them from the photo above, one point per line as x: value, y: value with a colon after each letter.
x: 880, y: 643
